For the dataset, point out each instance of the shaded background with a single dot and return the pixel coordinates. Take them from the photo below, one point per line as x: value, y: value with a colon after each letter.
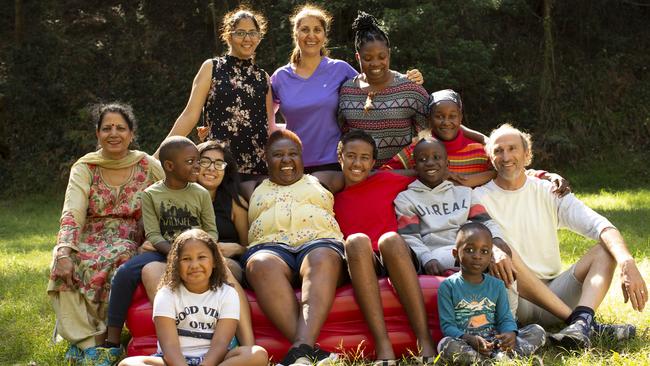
x: 575, y: 73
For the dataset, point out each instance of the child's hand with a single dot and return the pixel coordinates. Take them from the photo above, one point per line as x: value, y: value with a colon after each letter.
x: 433, y: 268
x: 479, y: 344
x: 146, y: 247
x: 508, y: 341
x: 203, y: 132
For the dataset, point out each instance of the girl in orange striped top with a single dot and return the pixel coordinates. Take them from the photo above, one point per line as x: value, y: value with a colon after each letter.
x: 468, y: 163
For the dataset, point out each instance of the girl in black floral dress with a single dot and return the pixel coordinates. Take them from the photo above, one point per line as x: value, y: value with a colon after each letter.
x: 233, y: 94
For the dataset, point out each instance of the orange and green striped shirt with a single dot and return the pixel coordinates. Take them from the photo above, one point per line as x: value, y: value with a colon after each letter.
x: 465, y: 156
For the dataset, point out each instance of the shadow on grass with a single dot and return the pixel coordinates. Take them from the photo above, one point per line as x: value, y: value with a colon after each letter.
x: 627, y: 171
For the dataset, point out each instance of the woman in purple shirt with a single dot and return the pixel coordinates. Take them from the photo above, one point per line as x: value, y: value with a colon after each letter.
x: 306, y: 90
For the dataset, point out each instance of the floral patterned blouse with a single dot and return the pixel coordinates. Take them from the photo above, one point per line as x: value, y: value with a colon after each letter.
x: 235, y: 110
x: 103, y: 236
x: 293, y: 214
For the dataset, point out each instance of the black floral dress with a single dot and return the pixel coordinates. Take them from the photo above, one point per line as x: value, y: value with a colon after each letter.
x: 235, y: 110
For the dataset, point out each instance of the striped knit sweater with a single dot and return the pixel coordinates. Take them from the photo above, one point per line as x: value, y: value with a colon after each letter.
x: 398, y: 114
x: 465, y: 156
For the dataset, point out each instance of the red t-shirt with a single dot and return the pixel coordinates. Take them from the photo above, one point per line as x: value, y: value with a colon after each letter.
x: 367, y: 207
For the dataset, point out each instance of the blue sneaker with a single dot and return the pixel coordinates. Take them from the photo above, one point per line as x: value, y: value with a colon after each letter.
x: 102, y: 356
x: 74, y: 355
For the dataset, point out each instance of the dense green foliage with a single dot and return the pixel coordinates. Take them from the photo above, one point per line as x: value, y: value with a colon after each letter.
x: 579, y: 81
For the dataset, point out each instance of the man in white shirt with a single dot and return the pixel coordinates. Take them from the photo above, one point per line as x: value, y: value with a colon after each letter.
x: 530, y: 214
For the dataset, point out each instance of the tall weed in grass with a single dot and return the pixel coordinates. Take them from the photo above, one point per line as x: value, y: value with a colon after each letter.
x: 28, y: 227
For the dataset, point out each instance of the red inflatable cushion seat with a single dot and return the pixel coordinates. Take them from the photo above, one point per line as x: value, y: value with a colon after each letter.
x: 344, y: 330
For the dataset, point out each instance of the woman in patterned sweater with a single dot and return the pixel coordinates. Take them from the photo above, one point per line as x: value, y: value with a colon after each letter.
x: 380, y: 101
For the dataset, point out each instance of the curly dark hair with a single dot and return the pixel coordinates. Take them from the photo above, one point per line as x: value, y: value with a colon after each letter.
x: 231, y: 19
x: 231, y: 179
x: 366, y: 29
x: 172, y: 278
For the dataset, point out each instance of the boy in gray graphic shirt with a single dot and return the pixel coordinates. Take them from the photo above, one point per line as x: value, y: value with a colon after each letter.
x: 432, y: 209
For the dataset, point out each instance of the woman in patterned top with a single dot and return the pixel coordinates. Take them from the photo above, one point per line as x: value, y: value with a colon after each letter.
x: 234, y: 95
x: 380, y: 101
x: 99, y: 232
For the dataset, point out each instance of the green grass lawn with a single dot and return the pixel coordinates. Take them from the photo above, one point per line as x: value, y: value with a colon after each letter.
x: 28, y: 227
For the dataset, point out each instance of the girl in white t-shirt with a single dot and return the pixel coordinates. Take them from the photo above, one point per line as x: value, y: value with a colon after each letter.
x: 195, y: 311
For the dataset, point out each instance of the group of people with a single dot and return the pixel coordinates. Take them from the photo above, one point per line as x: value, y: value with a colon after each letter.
x: 370, y: 177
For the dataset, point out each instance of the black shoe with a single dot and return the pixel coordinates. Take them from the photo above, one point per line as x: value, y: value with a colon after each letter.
x: 297, y: 356
x: 575, y: 336
x: 619, y: 332
x: 322, y: 357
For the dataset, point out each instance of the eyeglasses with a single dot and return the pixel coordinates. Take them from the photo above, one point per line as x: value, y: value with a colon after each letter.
x: 242, y: 34
x: 218, y: 164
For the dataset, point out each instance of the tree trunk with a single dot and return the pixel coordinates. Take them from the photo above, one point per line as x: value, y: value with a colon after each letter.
x: 19, y: 24
x: 215, y: 27
x: 547, y: 80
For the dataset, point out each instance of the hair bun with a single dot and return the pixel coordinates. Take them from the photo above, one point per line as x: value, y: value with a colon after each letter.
x: 364, y: 22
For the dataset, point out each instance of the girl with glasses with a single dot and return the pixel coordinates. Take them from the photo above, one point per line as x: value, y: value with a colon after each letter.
x: 218, y: 174
x: 233, y: 95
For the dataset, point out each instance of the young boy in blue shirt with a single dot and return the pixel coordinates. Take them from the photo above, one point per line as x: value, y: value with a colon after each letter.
x: 474, y: 313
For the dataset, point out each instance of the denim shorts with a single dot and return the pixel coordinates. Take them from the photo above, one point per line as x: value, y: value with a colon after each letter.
x: 293, y: 256
x: 191, y: 361
x: 196, y: 361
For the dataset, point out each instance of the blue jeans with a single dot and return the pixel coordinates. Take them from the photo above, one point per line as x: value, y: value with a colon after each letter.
x: 126, y: 280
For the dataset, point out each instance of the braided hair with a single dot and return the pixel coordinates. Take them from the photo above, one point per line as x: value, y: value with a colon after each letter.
x: 366, y: 29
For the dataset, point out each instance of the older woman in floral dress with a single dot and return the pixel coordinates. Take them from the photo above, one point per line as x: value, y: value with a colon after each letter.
x: 98, y: 232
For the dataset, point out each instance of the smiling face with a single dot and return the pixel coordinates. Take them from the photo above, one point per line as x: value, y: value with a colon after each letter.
x: 196, y: 263
x: 244, y: 47
x: 509, y: 158
x: 374, y: 61
x: 430, y: 162
x: 310, y: 36
x: 114, y: 135
x: 356, y: 161
x: 284, y: 159
x: 211, y: 177
x: 445, y: 119
x: 474, y: 253
x: 183, y: 167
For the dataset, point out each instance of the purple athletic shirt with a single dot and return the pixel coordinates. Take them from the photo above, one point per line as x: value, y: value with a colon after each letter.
x: 309, y: 107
